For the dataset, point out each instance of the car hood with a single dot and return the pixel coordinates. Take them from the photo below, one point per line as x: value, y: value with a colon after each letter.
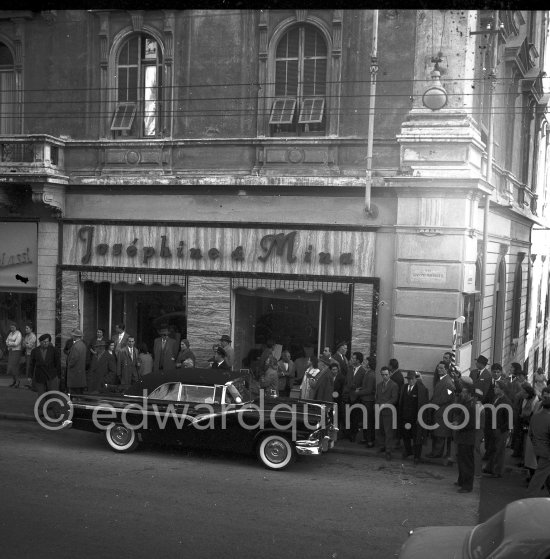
x: 443, y: 542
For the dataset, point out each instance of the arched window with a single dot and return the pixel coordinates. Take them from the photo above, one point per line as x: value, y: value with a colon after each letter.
x: 138, y: 88
x: 300, y: 94
x: 8, y: 109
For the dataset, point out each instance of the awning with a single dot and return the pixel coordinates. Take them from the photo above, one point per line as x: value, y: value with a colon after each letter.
x: 253, y: 284
x: 133, y: 279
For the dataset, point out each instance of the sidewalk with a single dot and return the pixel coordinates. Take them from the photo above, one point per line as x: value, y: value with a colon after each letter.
x: 16, y: 403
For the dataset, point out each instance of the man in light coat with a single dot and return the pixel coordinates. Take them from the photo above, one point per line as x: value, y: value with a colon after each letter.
x: 165, y: 352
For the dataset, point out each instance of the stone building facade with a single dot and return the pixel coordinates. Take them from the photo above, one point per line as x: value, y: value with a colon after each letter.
x: 212, y: 170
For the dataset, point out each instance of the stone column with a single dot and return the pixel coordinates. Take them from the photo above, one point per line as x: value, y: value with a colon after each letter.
x: 208, y: 314
x: 70, y: 306
x: 48, y: 257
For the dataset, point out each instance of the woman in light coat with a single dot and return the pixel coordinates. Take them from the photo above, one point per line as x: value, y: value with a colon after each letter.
x: 308, y: 382
x: 14, y: 343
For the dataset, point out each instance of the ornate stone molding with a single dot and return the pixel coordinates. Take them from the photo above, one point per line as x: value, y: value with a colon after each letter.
x: 104, y: 19
x: 137, y: 20
x: 169, y: 25
x: 50, y: 195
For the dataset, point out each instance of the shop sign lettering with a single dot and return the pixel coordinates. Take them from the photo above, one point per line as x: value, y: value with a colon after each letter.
x: 272, y: 245
x: 15, y: 259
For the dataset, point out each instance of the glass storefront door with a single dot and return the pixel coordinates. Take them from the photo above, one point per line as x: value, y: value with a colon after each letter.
x: 299, y: 321
x: 141, y: 308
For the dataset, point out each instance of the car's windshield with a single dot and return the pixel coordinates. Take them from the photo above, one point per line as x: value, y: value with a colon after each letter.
x: 168, y: 391
x: 486, y: 537
x: 238, y: 391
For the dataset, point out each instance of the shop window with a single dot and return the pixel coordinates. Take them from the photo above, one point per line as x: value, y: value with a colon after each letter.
x: 16, y: 307
x: 299, y: 106
x: 8, y: 110
x: 469, y: 315
x: 143, y: 309
x: 137, y: 111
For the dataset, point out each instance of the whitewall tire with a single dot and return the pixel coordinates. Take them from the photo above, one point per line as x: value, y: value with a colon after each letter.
x: 275, y: 452
x: 121, y: 439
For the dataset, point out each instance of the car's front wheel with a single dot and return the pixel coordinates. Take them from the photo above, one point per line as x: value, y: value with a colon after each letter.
x: 275, y: 452
x: 121, y: 439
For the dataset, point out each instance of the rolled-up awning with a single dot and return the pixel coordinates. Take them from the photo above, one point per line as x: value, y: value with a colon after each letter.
x: 309, y: 286
x: 133, y: 279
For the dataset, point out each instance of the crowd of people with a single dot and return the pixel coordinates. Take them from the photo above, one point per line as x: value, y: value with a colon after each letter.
x: 519, y: 411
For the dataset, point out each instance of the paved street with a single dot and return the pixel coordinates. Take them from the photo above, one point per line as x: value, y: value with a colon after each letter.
x: 63, y: 491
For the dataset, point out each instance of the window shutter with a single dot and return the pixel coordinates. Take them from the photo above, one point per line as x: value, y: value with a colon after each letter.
x: 124, y: 116
x: 282, y: 111
x: 311, y: 109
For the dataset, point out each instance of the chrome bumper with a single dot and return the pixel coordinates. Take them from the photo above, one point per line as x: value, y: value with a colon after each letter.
x: 67, y: 423
x: 317, y: 446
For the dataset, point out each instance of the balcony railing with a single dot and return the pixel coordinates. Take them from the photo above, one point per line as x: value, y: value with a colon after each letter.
x: 34, y: 154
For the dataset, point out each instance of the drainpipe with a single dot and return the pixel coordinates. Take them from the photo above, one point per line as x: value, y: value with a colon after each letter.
x: 373, y: 72
x: 490, y: 149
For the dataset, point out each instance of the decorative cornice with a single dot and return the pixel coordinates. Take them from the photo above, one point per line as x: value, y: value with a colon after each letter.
x: 50, y: 195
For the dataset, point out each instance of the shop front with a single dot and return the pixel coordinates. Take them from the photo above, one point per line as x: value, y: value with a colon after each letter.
x: 303, y: 288
x: 18, y: 275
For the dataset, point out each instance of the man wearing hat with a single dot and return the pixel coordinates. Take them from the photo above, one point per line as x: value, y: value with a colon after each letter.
x: 219, y: 359
x: 483, y: 379
x: 165, y: 352
x: 465, y: 439
x: 45, y: 365
x: 481, y: 375
x: 102, y: 369
x: 412, y: 397
x: 76, y: 364
x: 225, y: 343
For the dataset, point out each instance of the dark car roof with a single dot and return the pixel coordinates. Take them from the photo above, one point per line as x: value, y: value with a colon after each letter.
x: 207, y: 377
x: 527, y: 515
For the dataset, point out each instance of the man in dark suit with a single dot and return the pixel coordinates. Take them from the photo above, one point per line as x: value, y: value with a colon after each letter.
x: 340, y: 356
x: 412, y: 397
x: 367, y: 395
x: 128, y: 364
x: 45, y: 365
x: 219, y: 359
x: 102, y: 375
x: 121, y: 338
x: 355, y: 375
x: 165, y: 352
x: 443, y: 396
x: 387, y: 396
x: 484, y: 381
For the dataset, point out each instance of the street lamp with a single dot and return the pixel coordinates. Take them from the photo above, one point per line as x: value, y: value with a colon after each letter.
x: 435, y: 97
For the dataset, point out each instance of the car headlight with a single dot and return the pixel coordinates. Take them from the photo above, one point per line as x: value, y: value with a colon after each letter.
x: 316, y: 435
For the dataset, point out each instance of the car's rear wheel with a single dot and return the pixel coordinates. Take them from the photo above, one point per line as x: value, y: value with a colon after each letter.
x: 121, y: 439
x: 275, y: 452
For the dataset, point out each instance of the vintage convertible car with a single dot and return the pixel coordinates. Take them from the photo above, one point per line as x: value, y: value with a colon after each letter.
x: 207, y: 408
